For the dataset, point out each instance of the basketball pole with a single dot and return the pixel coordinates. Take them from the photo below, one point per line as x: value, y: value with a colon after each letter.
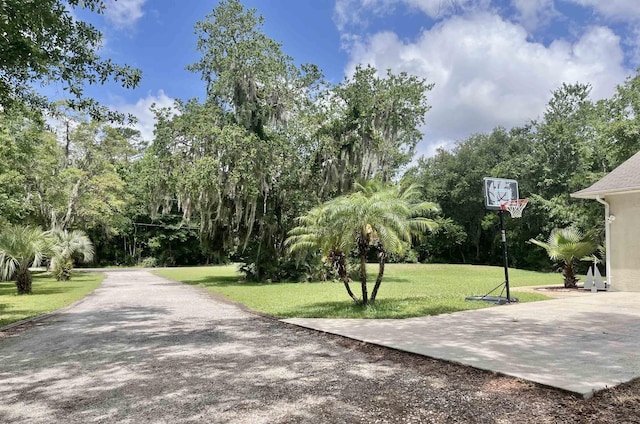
x: 503, y: 234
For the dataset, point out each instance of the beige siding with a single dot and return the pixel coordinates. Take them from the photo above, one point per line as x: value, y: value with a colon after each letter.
x: 625, y: 242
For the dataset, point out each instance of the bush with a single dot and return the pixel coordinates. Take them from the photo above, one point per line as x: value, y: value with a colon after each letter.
x: 149, y: 262
x: 61, y: 269
x: 410, y: 256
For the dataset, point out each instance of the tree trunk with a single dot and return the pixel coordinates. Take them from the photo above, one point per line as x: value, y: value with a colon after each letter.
x: 349, y: 291
x: 382, y: 258
x: 23, y: 282
x: 477, y: 243
x: 67, y: 145
x: 340, y: 264
x: 363, y: 277
x: 570, y: 279
x: 73, y: 200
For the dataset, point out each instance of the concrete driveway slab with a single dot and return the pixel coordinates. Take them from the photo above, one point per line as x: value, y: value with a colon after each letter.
x: 580, y: 344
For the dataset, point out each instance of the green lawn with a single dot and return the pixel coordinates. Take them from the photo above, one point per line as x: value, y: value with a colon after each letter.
x: 48, y: 295
x: 408, y: 290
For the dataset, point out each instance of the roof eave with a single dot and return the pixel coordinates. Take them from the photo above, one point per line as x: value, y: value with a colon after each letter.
x: 594, y: 194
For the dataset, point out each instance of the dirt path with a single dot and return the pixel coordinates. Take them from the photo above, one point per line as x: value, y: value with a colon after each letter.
x: 142, y: 349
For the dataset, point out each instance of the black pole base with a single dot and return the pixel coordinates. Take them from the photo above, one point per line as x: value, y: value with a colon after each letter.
x: 498, y: 300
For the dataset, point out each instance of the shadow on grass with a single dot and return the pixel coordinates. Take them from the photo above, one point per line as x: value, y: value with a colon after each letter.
x: 49, y: 290
x: 220, y: 281
x: 228, y: 281
x: 391, y: 279
x: 15, y: 315
x: 9, y: 288
x: 384, y: 308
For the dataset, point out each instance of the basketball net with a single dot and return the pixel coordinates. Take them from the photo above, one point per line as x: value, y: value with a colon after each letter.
x: 515, y: 207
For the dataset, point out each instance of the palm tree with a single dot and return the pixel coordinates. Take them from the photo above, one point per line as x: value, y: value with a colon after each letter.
x: 20, y: 248
x: 568, y: 245
x: 374, y: 216
x: 67, y: 246
x: 318, y: 231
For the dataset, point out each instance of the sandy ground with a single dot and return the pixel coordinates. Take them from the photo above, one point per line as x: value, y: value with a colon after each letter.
x: 142, y: 349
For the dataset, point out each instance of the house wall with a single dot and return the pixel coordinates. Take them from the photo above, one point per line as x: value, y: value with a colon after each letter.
x: 625, y: 242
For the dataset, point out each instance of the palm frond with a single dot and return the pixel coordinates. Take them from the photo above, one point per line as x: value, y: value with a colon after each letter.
x: 568, y: 244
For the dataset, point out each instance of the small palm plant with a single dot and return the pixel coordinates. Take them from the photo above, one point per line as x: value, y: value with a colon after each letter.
x: 375, y: 216
x: 568, y: 245
x: 320, y: 230
x: 20, y: 248
x: 68, y: 245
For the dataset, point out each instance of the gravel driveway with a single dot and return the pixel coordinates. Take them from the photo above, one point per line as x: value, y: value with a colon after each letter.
x: 142, y: 349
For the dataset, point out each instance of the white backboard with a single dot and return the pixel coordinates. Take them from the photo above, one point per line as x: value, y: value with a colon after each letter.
x: 497, y: 191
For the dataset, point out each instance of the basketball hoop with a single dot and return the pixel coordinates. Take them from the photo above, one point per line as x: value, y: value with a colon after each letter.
x: 515, y: 207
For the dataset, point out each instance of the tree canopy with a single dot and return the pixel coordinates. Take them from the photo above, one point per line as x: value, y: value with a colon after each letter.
x: 227, y: 175
x: 259, y: 150
x: 42, y: 42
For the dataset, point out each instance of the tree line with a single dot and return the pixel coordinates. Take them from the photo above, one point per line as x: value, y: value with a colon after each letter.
x: 227, y: 176
x: 572, y: 145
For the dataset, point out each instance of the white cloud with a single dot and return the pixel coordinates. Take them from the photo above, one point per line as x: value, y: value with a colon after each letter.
x: 487, y: 73
x: 534, y: 13
x: 442, y: 8
x: 142, y: 110
x: 345, y: 12
x: 622, y: 10
x: 124, y: 13
x: 530, y: 13
x: 355, y: 12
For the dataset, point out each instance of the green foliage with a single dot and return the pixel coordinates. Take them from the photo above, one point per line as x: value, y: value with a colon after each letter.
x: 30, y: 157
x: 444, y: 244
x: 568, y: 245
x: 410, y: 291
x: 73, y: 182
x: 259, y: 150
x: 22, y: 247
x: 47, y: 296
x: 149, y: 262
x: 226, y: 177
x: 407, y: 255
x: 370, y: 127
x: 574, y: 144
x: 375, y: 216
x: 68, y: 246
x: 232, y: 161
x: 243, y: 68
x: 453, y: 179
x: 622, y: 130
x: 61, y: 269
x: 43, y: 42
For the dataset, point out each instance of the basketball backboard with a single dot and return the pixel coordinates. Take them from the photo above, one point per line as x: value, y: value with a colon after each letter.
x: 498, y: 191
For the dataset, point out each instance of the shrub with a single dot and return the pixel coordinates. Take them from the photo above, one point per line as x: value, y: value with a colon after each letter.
x: 149, y: 262
x: 61, y: 269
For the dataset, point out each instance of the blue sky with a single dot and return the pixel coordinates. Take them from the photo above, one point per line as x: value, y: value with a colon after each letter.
x: 493, y: 62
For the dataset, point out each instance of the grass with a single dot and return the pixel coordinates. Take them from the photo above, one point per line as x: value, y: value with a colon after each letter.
x: 408, y: 290
x: 48, y: 295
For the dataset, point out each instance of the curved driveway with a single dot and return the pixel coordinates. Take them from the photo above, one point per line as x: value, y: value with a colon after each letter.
x: 142, y: 349
x: 145, y: 349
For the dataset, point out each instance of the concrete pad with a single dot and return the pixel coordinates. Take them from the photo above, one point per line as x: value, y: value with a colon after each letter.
x: 580, y: 344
